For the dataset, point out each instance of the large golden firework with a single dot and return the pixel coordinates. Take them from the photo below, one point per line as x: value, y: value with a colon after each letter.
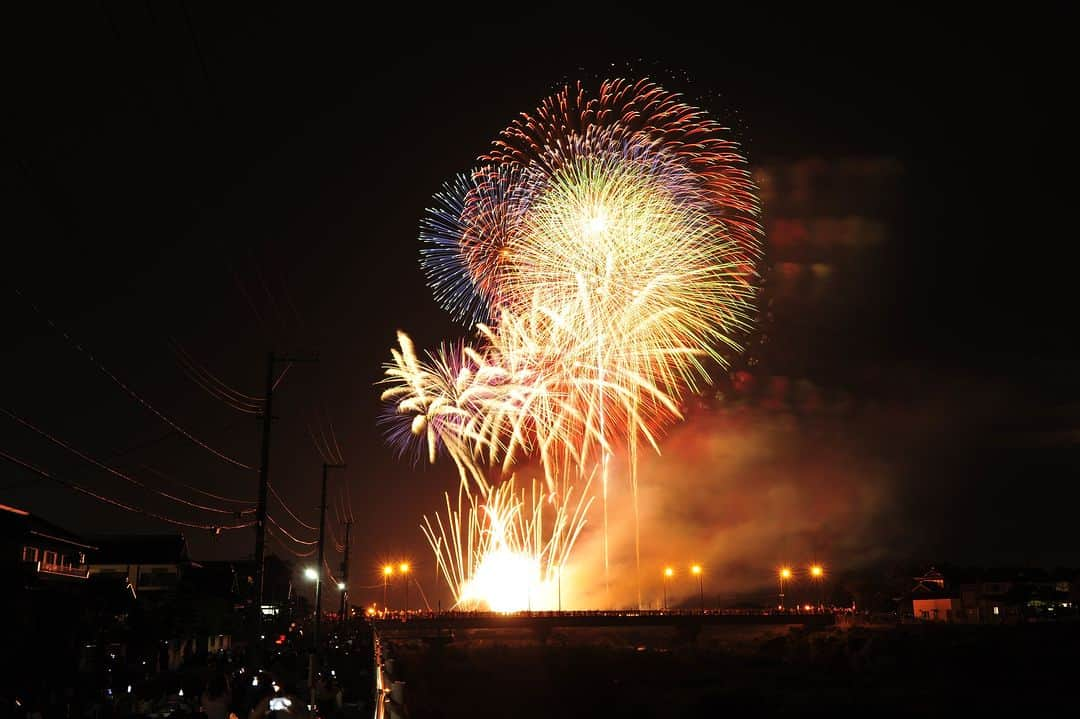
x: 608, y: 244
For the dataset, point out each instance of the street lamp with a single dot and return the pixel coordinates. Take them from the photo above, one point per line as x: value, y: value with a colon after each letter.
x: 386, y: 572
x: 817, y: 573
x: 696, y: 570
x: 404, y: 569
x: 312, y: 574
x: 668, y: 574
x: 785, y: 573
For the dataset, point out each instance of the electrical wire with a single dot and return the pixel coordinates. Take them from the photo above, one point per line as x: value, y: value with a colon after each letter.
x: 329, y: 573
x: 288, y: 534
x: 333, y: 436
x: 116, y: 503
x: 132, y: 393
x: 218, y: 497
x: 112, y: 470
x: 214, y: 386
x: 286, y: 508
x: 324, y: 455
x: 281, y: 376
x: 218, y: 384
x: 288, y: 548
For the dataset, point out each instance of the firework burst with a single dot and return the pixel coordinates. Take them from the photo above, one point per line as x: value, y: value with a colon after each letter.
x: 605, y: 250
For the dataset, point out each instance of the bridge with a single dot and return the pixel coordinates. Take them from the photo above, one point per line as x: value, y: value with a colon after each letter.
x: 443, y: 624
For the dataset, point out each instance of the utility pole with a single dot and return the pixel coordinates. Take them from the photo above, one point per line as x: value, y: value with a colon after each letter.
x: 264, y: 475
x: 264, y: 478
x: 320, y: 561
x: 345, y: 577
x: 319, y: 583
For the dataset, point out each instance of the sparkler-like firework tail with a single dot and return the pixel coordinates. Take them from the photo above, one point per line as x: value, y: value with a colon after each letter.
x: 609, y: 243
x: 499, y: 550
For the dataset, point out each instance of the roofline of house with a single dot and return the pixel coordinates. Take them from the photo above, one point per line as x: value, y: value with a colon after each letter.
x: 61, y: 539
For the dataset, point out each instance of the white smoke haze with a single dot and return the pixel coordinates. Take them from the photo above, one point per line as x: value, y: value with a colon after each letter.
x: 741, y: 492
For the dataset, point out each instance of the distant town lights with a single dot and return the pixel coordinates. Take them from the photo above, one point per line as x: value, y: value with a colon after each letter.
x: 311, y: 574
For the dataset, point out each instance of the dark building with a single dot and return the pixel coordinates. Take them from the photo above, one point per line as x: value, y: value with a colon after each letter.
x: 149, y: 563
x: 39, y: 549
x: 994, y: 596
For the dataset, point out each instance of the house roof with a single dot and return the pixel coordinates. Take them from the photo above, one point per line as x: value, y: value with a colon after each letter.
x: 15, y: 521
x: 140, y: 549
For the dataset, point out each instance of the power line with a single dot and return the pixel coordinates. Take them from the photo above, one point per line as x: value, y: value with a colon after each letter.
x: 288, y: 534
x: 221, y: 385
x: 324, y: 454
x: 132, y: 393
x: 116, y: 503
x: 212, y: 385
x: 287, y: 548
x: 111, y: 470
x: 156, y: 440
x: 200, y: 491
x: 281, y: 501
x: 282, y: 375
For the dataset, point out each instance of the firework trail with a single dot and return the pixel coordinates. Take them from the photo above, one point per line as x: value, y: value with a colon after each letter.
x: 605, y: 251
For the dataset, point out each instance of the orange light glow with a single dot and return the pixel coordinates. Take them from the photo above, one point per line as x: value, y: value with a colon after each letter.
x: 404, y: 568
x: 669, y: 572
x: 785, y: 573
x: 817, y: 570
x: 387, y: 570
x: 696, y: 569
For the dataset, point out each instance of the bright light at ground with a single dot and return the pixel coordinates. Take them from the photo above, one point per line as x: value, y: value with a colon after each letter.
x: 508, y: 582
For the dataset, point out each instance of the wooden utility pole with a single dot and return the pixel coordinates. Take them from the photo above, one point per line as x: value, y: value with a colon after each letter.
x: 320, y: 561
x: 312, y: 661
x: 264, y: 474
x: 345, y: 578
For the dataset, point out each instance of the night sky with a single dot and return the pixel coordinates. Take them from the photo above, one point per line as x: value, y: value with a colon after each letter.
x: 238, y: 180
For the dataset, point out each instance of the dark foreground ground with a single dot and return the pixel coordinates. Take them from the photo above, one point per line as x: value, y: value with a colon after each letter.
x: 913, y: 670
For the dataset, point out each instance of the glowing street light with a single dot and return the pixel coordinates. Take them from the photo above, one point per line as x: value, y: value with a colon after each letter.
x: 404, y: 569
x: 785, y: 573
x: 312, y: 574
x: 696, y: 570
x: 817, y: 573
x: 668, y: 574
x: 386, y: 572
x: 341, y: 586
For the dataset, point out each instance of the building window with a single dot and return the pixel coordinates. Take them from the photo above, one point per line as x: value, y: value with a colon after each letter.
x: 997, y: 611
x: 29, y: 554
x: 50, y: 558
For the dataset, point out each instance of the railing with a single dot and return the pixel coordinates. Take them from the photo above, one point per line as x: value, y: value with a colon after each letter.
x: 81, y: 572
x: 482, y: 614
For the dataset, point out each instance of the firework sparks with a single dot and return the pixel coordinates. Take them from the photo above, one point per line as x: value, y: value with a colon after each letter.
x: 606, y: 248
